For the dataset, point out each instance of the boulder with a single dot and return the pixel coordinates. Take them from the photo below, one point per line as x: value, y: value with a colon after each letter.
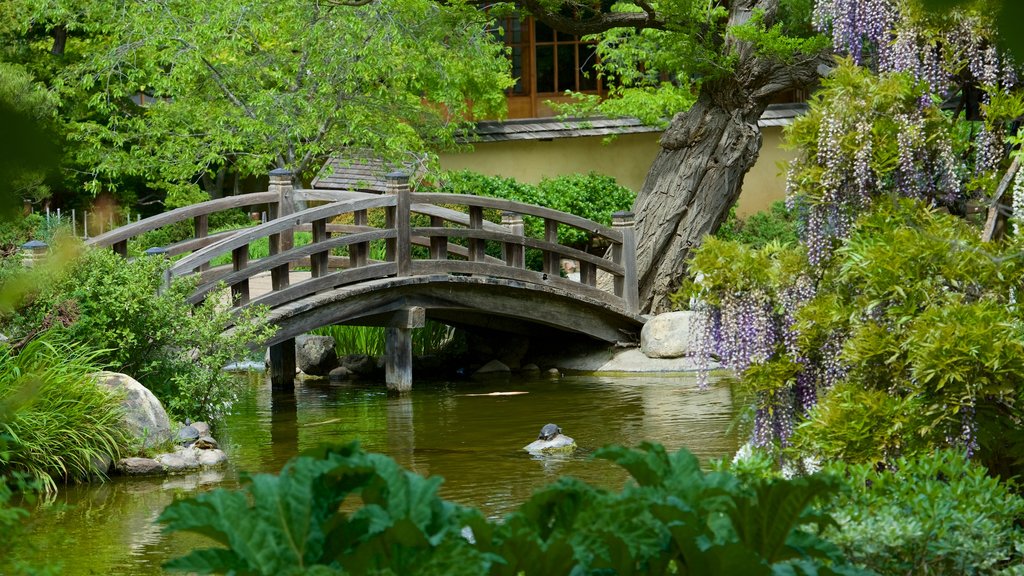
x: 202, y: 427
x: 560, y: 443
x: 340, y: 373
x: 531, y: 369
x: 493, y: 368
x: 359, y: 364
x: 144, y: 415
x: 211, y: 458
x: 668, y: 335
x: 138, y: 467
x: 315, y: 355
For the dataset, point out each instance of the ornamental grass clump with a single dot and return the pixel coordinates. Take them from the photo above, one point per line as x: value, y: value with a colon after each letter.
x: 64, y: 422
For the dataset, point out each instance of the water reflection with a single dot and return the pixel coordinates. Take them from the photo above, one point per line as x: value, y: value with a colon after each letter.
x: 456, y: 430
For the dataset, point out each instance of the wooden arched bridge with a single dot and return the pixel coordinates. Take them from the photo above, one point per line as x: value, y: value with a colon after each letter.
x: 421, y: 274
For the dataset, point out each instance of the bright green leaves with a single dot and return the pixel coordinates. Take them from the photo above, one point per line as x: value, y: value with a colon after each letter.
x: 676, y: 520
x: 251, y: 85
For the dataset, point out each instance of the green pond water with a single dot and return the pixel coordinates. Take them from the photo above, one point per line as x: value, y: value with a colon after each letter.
x: 451, y: 429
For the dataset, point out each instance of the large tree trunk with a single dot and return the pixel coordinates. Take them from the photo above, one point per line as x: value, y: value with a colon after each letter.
x: 692, y: 184
x: 704, y: 156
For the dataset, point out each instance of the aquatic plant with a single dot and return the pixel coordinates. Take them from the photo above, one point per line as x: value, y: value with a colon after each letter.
x: 672, y: 519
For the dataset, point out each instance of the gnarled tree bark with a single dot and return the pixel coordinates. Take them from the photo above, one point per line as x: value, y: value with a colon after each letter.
x: 706, y: 151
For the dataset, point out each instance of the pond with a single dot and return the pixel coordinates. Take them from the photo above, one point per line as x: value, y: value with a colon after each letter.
x: 459, y: 430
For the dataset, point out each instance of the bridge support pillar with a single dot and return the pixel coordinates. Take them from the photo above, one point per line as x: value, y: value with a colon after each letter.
x: 398, y: 347
x: 282, y: 365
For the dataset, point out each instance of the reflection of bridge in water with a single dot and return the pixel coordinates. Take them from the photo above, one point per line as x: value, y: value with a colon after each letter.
x: 420, y: 273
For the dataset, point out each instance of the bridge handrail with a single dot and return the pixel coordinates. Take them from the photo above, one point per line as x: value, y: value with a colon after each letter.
x: 506, y: 205
x: 282, y: 224
x: 124, y: 233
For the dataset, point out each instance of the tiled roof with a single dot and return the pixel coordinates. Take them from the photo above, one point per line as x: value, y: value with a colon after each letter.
x: 551, y: 128
x: 360, y: 173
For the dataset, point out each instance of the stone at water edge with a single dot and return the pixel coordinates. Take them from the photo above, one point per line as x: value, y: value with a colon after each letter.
x: 138, y: 467
x: 560, y: 443
x: 493, y: 368
x: 144, y: 415
x: 315, y: 355
x: 203, y: 428
x: 668, y: 335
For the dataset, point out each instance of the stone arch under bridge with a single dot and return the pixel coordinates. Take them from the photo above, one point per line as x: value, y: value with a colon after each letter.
x: 390, y: 260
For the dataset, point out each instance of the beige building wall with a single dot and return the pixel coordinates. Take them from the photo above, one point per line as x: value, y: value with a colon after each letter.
x: 627, y: 158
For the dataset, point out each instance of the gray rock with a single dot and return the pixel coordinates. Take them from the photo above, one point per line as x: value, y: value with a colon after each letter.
x: 359, y: 364
x: 315, y: 355
x: 210, y: 458
x: 144, y: 415
x: 531, y: 368
x: 179, y: 461
x: 668, y: 335
x: 202, y: 427
x: 340, y: 373
x: 139, y: 467
x: 553, y: 373
x: 560, y: 443
x: 101, y: 464
x: 493, y: 368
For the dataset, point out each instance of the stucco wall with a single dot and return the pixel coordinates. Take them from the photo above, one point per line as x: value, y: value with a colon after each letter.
x: 627, y: 159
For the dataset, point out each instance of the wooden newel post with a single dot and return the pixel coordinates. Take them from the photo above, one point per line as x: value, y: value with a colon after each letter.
x: 282, y: 354
x: 515, y: 256
x: 626, y: 286
x: 398, y: 185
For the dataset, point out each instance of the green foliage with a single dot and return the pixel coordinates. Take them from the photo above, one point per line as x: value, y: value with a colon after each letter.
x: 936, y: 514
x: 777, y: 224
x: 65, y: 421
x: 914, y: 326
x: 433, y: 338
x: 591, y: 196
x: 248, y: 85
x: 176, y: 350
x: 673, y: 519
x: 26, y: 109
x: 291, y: 523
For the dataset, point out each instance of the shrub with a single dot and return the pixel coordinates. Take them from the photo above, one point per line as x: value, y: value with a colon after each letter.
x: 935, y: 514
x: 67, y: 421
x: 777, y: 224
x: 674, y: 519
x: 174, y: 349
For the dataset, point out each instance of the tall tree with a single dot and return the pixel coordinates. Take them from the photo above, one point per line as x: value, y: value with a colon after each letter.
x: 737, y: 56
x: 189, y: 89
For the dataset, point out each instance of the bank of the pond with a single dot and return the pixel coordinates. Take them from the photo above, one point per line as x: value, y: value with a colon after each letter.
x: 451, y: 429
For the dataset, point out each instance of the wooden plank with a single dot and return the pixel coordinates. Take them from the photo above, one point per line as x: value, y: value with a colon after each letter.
x: 281, y: 260
x: 438, y: 244
x: 240, y: 288
x: 521, y: 208
x: 332, y: 280
x: 559, y: 250
x: 477, y: 247
x: 277, y: 226
x: 403, y: 245
x: 551, y: 258
x: 180, y: 215
x: 500, y: 272
x: 398, y: 359
x: 318, y: 261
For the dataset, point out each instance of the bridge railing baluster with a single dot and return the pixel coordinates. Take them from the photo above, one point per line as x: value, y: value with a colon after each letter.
x: 624, y: 254
x: 477, y: 247
x: 281, y: 183
x: 438, y: 244
x: 515, y: 256
x: 202, y: 230
x: 319, y: 261
x: 358, y: 253
x: 551, y: 259
x: 240, y: 289
x: 400, y: 248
